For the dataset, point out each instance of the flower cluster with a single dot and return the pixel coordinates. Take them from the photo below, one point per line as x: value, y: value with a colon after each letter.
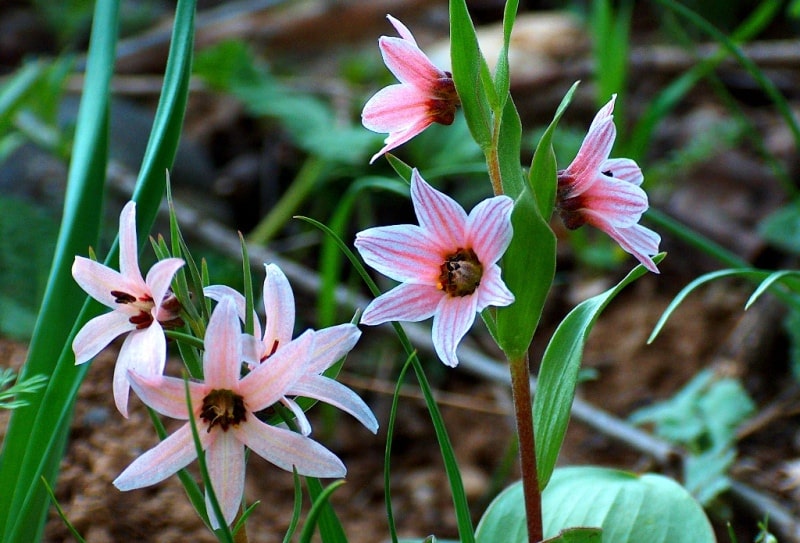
x: 226, y: 406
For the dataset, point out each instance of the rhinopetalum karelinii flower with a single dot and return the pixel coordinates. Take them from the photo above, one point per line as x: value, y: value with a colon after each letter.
x: 605, y: 193
x: 140, y: 308
x: 447, y: 265
x: 425, y: 94
x: 330, y: 345
x: 223, y: 409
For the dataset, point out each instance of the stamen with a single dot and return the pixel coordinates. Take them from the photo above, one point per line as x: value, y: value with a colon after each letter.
x: 224, y: 408
x: 123, y: 297
x: 461, y: 273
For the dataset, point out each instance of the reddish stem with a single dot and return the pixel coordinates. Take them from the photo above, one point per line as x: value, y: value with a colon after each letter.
x: 523, y: 410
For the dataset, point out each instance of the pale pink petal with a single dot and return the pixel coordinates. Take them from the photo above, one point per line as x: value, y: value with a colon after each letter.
x: 128, y: 248
x: 336, y: 394
x: 286, y: 449
x: 404, y: 32
x: 268, y: 381
x: 98, y: 281
x: 167, y: 395
x: 222, y: 357
x: 279, y: 309
x: 225, y: 462
x: 453, y: 319
x: 166, y: 458
x: 619, y: 203
x: 493, y: 291
x: 99, y: 332
x: 331, y: 344
x: 403, y: 252
x: 218, y: 292
x: 160, y: 276
x: 397, y: 108
x: 396, y: 139
x: 143, y: 351
x: 637, y: 240
x: 623, y: 169
x: 489, y: 230
x: 406, y: 302
x: 252, y: 350
x: 408, y: 63
x: 438, y: 214
x: 606, y: 112
x: 593, y: 153
x: 300, y: 417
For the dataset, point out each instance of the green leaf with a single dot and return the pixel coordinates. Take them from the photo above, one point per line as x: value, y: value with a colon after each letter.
x: 509, y: 145
x: 544, y: 169
x: 558, y: 375
x: 577, y: 535
x: 629, y: 508
x: 468, y: 63
x: 502, y: 79
x: 528, y: 270
x: 782, y: 228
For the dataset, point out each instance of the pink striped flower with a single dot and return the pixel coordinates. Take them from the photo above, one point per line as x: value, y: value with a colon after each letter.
x: 425, y: 95
x: 330, y: 345
x: 605, y: 192
x: 223, y: 409
x: 447, y: 265
x: 140, y: 308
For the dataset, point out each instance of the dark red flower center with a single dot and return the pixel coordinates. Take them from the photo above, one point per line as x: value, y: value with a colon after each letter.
x: 223, y: 408
x: 169, y: 313
x: 444, y: 101
x: 460, y: 273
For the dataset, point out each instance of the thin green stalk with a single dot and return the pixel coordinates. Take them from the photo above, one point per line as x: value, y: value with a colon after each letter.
x: 523, y: 413
x: 306, y: 180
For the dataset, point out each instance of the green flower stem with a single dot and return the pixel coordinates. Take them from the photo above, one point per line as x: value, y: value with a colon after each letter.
x: 493, y: 159
x: 523, y: 413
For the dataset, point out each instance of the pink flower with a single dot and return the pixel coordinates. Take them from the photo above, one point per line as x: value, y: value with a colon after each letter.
x: 605, y: 192
x: 425, y: 95
x: 330, y: 345
x: 447, y: 265
x: 140, y: 307
x: 224, y: 409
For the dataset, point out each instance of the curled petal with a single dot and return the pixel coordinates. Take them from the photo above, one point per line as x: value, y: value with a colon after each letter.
x: 493, y: 290
x: 397, y: 108
x: 403, y: 252
x: 489, y: 228
x: 288, y: 449
x: 404, y: 32
x: 336, y: 394
x: 160, y: 277
x: 166, y: 458
x: 451, y: 322
x: 278, y: 307
x: 408, y: 63
x: 143, y: 351
x: 618, y: 202
x: 225, y: 461
x: 218, y: 292
x: 593, y: 153
x: 300, y: 417
x: 128, y: 248
x: 639, y: 241
x: 439, y: 214
x: 406, y: 302
x: 99, y: 332
x: 331, y: 344
x: 623, y: 169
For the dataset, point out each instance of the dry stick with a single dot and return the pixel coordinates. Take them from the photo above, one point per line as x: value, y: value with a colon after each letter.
x: 226, y: 241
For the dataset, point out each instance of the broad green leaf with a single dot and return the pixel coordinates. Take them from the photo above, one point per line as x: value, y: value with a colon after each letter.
x: 33, y: 445
x: 558, y: 374
x: 502, y: 79
x: 577, y: 535
x: 629, y: 508
x: 468, y: 64
x: 509, y: 144
x: 528, y: 270
x: 782, y: 228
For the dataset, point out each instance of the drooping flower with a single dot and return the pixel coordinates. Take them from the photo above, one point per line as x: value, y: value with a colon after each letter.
x: 425, y: 94
x: 223, y: 408
x: 447, y: 265
x: 140, y: 308
x: 605, y: 193
x: 330, y: 345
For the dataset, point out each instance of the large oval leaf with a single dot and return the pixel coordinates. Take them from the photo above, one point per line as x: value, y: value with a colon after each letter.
x: 627, y: 507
